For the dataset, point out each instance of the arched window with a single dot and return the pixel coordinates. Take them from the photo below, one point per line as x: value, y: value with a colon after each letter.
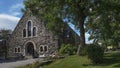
x: 34, y: 31
x: 24, y: 32
x: 29, y: 28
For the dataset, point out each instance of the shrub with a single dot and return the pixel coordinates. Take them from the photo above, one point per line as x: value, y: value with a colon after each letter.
x: 95, y: 53
x: 83, y: 51
x: 36, y: 64
x: 67, y: 49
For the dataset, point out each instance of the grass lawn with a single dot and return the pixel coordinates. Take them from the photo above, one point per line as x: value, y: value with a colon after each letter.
x: 111, y: 60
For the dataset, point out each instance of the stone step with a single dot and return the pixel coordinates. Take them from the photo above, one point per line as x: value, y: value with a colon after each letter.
x: 28, y: 57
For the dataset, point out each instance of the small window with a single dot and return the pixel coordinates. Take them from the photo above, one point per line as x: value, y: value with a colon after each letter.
x: 41, y: 49
x: 18, y: 49
x: 15, y: 50
x: 45, y: 48
x: 24, y: 32
x: 34, y: 31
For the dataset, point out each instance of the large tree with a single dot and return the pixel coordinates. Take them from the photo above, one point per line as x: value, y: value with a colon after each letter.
x: 53, y: 12
x: 104, y: 23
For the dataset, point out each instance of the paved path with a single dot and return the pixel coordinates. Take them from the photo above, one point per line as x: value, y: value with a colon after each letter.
x: 14, y: 64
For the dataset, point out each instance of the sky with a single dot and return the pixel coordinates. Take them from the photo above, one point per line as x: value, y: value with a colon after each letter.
x: 10, y: 14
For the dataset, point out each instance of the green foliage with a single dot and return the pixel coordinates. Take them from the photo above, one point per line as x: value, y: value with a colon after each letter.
x: 69, y: 62
x: 48, y: 12
x: 53, y: 12
x: 111, y: 60
x: 103, y: 23
x: 55, y: 27
x: 67, y: 49
x: 83, y: 51
x: 103, y: 17
x: 95, y: 53
x: 4, y: 33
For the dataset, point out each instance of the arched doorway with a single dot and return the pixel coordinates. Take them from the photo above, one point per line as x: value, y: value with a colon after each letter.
x: 30, y: 49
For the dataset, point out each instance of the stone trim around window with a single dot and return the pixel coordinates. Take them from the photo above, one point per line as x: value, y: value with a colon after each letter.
x: 29, y: 25
x: 31, y: 31
x: 43, y: 48
x: 35, y: 31
x: 24, y: 34
x: 17, y: 50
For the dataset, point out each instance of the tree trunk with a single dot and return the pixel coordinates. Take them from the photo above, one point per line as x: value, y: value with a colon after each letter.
x: 81, y: 19
x: 82, y: 37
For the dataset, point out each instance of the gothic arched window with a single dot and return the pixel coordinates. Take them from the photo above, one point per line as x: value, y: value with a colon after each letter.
x: 29, y: 28
x: 34, y: 31
x: 24, y: 32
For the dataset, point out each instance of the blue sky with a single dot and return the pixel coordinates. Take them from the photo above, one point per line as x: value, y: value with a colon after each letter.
x: 10, y: 14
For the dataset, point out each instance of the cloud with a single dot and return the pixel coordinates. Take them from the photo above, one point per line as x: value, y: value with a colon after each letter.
x: 16, y: 13
x: 16, y: 6
x: 8, y: 21
x: 15, y: 9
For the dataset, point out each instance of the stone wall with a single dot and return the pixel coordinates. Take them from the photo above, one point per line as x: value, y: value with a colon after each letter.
x: 44, y: 37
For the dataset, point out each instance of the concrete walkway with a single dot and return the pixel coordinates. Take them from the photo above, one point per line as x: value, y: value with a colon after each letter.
x: 13, y: 64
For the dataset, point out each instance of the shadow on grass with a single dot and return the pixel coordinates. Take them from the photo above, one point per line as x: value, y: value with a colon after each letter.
x: 109, y: 59
x: 117, y: 65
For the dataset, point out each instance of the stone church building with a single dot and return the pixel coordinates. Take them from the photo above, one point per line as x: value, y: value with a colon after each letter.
x: 31, y: 38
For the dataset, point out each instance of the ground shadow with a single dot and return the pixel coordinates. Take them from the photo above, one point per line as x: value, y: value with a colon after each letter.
x: 118, y: 65
x: 109, y: 59
x: 18, y: 58
x: 7, y: 61
x: 13, y: 59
